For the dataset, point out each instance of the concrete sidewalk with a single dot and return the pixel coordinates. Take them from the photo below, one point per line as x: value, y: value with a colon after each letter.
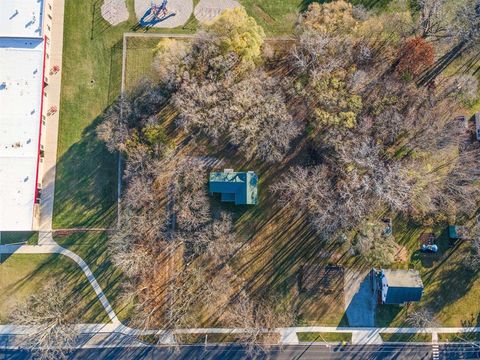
x: 364, y: 336
x: 54, y: 14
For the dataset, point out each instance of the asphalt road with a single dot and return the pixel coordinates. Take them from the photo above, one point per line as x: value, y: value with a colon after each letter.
x: 295, y: 352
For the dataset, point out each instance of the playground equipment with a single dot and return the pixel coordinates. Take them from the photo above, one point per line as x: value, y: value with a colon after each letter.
x: 159, y: 11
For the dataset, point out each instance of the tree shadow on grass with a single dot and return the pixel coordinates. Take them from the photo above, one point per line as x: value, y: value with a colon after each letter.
x: 99, y: 25
x: 93, y: 248
x: 87, y: 308
x: 449, y: 281
x: 429, y: 260
x: 85, y: 185
x: 386, y: 314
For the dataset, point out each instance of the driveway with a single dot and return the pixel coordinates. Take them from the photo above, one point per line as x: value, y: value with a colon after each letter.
x: 360, y: 301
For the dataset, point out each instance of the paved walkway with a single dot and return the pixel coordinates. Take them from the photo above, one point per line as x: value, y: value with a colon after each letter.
x: 53, y: 248
x: 371, y: 337
x: 359, y: 298
x: 435, y: 347
x: 53, y: 19
x: 287, y: 334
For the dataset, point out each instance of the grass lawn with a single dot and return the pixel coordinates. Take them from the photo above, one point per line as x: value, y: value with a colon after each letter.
x: 85, y: 187
x: 92, y: 247
x: 275, y: 16
x: 459, y: 337
x: 86, y: 181
x: 17, y: 237
x: 406, y: 337
x: 324, y: 337
x: 270, y: 338
x: 23, y: 274
x: 451, y: 290
x: 139, y: 59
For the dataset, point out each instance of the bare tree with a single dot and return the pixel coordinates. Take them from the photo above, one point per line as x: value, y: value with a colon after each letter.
x: 263, y: 127
x: 372, y: 243
x: 217, y: 239
x: 51, y: 320
x: 258, y: 318
x: 124, y: 123
x: 467, y: 22
x: 421, y: 318
x: 188, y: 194
x: 432, y: 22
x: 251, y: 113
x: 472, y: 259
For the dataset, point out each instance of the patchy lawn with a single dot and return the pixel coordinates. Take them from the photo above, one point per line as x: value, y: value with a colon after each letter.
x: 459, y: 337
x: 92, y: 247
x: 139, y: 59
x: 451, y: 290
x: 324, y: 337
x: 277, y: 241
x: 22, y: 275
x: 406, y: 337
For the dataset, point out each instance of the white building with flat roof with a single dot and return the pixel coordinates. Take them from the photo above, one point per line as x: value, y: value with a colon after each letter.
x: 21, y: 18
x: 21, y: 88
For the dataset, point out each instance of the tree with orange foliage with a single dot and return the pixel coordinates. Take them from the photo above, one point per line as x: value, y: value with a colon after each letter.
x: 417, y: 55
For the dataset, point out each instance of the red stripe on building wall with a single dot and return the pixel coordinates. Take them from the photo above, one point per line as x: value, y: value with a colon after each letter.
x: 41, y: 114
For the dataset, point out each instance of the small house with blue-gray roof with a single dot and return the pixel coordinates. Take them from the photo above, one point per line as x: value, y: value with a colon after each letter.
x: 237, y: 187
x: 400, y: 286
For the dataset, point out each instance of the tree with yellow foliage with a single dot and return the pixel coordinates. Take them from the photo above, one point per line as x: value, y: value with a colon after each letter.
x: 239, y: 33
x: 336, y: 104
x: 336, y: 16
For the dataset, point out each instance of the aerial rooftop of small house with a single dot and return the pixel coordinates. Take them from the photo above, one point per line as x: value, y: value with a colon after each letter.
x: 401, y: 286
x: 237, y: 187
x: 403, y: 278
